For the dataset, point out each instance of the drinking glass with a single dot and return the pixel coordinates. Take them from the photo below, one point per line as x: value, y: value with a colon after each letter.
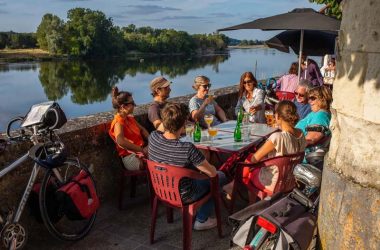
x: 208, y: 119
x: 212, y: 132
x: 269, y: 117
x: 189, y: 130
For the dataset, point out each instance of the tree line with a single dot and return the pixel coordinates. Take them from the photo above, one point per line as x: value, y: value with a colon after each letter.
x: 89, y: 33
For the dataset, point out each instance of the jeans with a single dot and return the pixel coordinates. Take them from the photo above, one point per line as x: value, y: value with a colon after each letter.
x: 204, y: 188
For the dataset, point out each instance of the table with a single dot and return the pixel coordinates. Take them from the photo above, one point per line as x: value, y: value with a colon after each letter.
x: 252, y: 134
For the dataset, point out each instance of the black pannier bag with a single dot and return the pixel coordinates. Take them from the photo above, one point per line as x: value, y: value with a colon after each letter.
x: 78, y: 198
x: 294, y: 222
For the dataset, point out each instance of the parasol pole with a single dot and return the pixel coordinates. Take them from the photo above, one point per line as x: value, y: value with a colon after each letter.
x: 300, y: 55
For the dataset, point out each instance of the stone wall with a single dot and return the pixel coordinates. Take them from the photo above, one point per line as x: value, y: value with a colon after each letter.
x: 87, y: 138
x: 349, y: 215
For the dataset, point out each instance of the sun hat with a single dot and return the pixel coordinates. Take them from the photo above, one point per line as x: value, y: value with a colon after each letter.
x: 159, y: 82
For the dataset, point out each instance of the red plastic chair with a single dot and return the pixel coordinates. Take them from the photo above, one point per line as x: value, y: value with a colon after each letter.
x: 165, y: 183
x: 285, y: 182
x: 284, y: 95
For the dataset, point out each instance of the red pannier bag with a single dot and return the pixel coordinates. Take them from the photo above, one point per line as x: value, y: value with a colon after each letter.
x: 78, y: 198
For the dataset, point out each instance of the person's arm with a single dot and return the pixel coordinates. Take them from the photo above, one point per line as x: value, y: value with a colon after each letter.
x: 124, y: 142
x: 144, y: 132
x: 313, y: 137
x: 220, y: 113
x: 206, y: 168
x: 258, y: 103
x: 154, y: 117
x: 263, y: 151
x: 197, y: 114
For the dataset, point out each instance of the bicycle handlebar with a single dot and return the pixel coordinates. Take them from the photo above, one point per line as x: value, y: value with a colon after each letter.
x: 22, y: 131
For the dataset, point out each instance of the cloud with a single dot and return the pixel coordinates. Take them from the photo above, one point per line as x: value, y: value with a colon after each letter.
x: 222, y: 14
x: 148, y: 9
x: 170, y: 18
x: 4, y: 12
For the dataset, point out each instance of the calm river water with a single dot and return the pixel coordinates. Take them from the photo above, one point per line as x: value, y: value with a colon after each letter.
x: 83, y: 88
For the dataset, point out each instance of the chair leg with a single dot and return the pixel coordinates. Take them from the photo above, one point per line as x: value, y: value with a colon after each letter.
x: 218, y: 215
x: 153, y: 219
x: 169, y: 215
x: 233, y: 196
x: 187, y: 224
x: 121, y: 191
x: 133, y: 186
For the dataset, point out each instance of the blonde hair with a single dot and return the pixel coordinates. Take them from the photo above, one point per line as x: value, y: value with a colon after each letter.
x: 200, y: 80
x: 324, y: 95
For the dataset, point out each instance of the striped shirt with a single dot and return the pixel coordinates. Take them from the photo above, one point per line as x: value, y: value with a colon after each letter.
x: 178, y: 153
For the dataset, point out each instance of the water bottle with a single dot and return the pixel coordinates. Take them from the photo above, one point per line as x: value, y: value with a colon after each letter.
x: 197, y: 133
x: 237, y: 132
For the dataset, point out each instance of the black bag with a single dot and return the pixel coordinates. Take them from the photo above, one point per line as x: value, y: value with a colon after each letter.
x: 54, y: 118
x: 295, y: 223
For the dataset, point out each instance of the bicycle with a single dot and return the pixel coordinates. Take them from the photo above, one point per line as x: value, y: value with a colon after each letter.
x: 48, y: 153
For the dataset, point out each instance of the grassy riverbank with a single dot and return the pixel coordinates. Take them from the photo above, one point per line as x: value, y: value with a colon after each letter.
x: 20, y: 55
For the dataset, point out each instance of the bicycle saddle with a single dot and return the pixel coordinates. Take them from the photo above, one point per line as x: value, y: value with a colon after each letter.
x: 48, y: 155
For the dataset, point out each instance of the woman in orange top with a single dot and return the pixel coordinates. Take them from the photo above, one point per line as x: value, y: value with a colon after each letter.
x: 126, y: 132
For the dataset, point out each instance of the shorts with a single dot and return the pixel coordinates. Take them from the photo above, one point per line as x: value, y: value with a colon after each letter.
x: 131, y: 162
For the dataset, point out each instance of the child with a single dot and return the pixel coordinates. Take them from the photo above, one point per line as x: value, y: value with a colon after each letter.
x: 126, y: 132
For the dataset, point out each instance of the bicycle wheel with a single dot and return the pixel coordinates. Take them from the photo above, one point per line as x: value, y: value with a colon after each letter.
x: 56, y: 222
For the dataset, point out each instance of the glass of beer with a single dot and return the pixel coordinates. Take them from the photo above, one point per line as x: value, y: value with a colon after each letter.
x: 208, y: 119
x: 269, y: 116
x: 189, y: 130
x: 212, y: 132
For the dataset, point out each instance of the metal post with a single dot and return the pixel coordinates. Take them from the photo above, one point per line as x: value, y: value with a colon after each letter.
x: 300, y: 55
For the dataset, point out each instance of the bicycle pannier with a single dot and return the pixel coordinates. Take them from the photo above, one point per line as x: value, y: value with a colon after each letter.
x: 78, y: 198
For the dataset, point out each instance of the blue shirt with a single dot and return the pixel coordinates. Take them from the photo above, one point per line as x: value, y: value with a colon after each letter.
x: 302, y: 109
x: 314, y: 118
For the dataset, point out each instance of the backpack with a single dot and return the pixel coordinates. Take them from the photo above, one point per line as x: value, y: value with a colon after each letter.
x: 78, y: 198
x: 296, y: 224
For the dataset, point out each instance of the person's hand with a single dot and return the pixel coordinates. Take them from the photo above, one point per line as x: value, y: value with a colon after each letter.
x: 208, y: 100
x: 145, y: 151
x: 252, y: 110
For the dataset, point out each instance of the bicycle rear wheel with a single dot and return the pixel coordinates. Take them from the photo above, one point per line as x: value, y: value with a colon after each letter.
x: 56, y: 222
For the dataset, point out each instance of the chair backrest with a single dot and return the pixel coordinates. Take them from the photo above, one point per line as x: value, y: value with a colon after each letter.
x: 285, y: 164
x: 284, y: 95
x: 165, y: 180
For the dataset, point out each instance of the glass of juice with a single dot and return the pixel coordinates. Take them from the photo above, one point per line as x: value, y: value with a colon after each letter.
x: 208, y: 119
x: 212, y: 132
x: 189, y: 131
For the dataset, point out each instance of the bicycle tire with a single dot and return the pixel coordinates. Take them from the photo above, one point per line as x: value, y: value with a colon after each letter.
x: 58, y: 227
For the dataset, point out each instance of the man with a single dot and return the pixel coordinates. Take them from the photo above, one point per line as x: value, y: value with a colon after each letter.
x: 301, y: 100
x: 165, y: 147
x: 310, y: 71
x: 160, y: 88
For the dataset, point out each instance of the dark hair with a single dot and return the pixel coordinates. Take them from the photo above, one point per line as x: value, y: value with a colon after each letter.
x: 119, y: 98
x: 293, y: 68
x: 324, y: 95
x: 241, y: 85
x: 174, y: 116
x: 287, y: 111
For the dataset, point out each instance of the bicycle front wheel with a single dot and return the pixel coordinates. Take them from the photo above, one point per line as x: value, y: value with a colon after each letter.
x: 55, y: 220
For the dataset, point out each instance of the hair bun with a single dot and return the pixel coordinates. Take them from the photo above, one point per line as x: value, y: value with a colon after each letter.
x: 115, y: 92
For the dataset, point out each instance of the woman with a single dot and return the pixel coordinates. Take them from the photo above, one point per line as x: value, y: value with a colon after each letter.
x: 203, y: 104
x: 251, y: 98
x: 126, y: 132
x: 289, y: 81
x: 320, y: 99
x: 289, y: 140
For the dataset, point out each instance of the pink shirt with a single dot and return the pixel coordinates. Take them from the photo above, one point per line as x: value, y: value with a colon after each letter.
x: 288, y: 82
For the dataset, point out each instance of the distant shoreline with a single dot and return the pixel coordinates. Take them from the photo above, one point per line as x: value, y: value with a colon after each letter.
x: 261, y: 46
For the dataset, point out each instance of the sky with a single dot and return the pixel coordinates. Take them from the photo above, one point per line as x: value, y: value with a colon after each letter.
x: 193, y: 16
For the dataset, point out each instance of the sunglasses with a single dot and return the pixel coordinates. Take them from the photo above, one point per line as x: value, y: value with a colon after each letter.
x: 298, y: 94
x: 132, y: 103
x: 206, y: 86
x: 249, y: 81
x: 312, y: 98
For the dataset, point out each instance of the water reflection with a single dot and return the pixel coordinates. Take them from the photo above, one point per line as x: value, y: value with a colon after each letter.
x: 92, y: 81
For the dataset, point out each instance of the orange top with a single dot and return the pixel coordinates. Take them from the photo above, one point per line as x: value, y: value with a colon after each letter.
x: 131, y: 130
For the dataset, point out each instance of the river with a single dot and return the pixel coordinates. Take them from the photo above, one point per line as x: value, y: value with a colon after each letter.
x: 83, y: 87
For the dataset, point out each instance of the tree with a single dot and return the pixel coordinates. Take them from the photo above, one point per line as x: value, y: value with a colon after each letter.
x: 332, y: 7
x: 50, y: 34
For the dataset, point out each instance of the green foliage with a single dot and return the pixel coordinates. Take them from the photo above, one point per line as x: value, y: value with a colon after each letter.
x: 13, y: 40
x: 250, y: 42
x: 50, y: 34
x: 333, y: 8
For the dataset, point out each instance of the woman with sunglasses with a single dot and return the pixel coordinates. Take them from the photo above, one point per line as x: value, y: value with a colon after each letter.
x: 320, y: 99
x: 204, y: 104
x: 251, y: 98
x: 126, y: 132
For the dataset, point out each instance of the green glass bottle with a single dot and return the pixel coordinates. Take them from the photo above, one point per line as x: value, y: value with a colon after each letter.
x: 237, y: 132
x: 240, y: 115
x: 197, y: 133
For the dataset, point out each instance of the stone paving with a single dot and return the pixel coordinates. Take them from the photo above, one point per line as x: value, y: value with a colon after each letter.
x: 129, y: 229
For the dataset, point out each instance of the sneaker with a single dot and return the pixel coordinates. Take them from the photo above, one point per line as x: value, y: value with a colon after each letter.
x: 208, y: 224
